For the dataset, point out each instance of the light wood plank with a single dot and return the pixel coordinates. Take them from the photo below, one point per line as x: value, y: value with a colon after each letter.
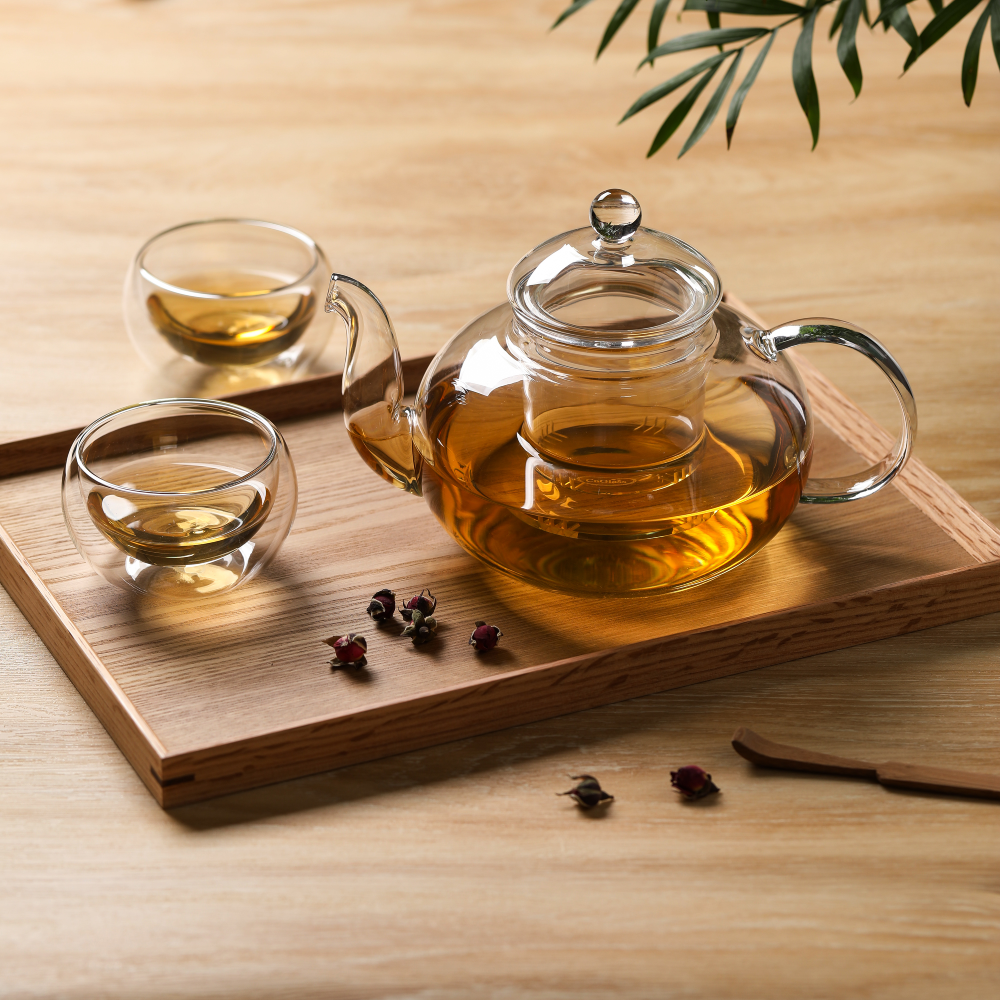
x: 428, y: 145
x: 239, y: 696
x: 82, y: 665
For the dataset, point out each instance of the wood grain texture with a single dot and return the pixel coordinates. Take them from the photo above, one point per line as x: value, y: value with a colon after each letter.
x: 950, y: 512
x: 575, y: 684
x: 90, y: 677
x: 922, y: 778
x: 765, y: 753
x: 316, y: 394
x: 405, y: 710
x: 238, y: 694
x: 409, y: 139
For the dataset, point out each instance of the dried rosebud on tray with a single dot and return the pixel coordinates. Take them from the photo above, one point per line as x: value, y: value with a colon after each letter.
x: 348, y: 649
x: 588, y: 792
x: 424, y: 602
x: 420, y: 629
x: 484, y: 637
x: 382, y: 606
x: 693, y: 782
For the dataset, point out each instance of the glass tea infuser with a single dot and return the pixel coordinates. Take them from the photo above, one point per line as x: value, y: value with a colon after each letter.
x: 614, y: 427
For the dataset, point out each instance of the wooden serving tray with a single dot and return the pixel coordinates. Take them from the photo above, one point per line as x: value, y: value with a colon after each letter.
x: 211, y: 699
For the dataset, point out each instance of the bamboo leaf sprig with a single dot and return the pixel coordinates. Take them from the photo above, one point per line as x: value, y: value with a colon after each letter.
x: 731, y: 44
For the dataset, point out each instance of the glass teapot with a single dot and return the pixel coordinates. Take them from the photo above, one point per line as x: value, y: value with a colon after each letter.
x: 614, y: 427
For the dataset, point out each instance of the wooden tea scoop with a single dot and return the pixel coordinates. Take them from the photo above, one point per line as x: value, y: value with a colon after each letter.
x: 759, y: 750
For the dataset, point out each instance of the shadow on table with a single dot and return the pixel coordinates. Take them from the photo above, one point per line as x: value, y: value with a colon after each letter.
x: 875, y: 702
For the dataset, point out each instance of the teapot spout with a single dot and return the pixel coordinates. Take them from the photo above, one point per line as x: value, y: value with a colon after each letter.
x: 379, y: 425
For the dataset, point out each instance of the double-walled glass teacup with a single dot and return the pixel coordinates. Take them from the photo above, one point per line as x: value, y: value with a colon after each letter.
x: 228, y: 304
x: 182, y: 498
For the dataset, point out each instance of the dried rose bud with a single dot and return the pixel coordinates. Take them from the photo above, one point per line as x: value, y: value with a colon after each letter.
x: 382, y: 606
x: 416, y: 620
x: 424, y: 602
x: 693, y: 782
x: 420, y: 629
x: 588, y: 792
x: 424, y: 634
x: 484, y: 637
x: 349, y: 649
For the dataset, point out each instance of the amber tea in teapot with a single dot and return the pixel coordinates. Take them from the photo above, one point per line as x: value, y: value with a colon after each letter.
x: 615, y: 528
x: 614, y: 428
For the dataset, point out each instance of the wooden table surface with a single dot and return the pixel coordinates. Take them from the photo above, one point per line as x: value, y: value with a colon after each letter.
x: 427, y: 145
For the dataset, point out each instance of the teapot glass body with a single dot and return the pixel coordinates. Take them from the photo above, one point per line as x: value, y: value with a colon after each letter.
x: 614, y: 428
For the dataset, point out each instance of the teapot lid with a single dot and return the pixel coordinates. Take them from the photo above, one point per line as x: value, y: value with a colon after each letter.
x: 614, y: 284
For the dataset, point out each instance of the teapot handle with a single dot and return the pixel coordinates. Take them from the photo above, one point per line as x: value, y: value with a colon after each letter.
x: 768, y: 343
x: 379, y: 425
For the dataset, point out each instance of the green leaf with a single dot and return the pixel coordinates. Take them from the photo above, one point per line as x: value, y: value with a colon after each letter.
x: 569, y: 12
x: 655, y: 21
x: 679, y: 113
x: 714, y: 21
x: 703, y: 40
x: 970, y: 64
x: 802, y: 75
x: 937, y: 6
x: 847, y: 48
x: 887, y: 8
x: 838, y: 18
x: 756, y: 8
x: 712, y: 108
x: 736, y: 104
x: 900, y: 20
x: 865, y: 14
x: 618, y: 18
x: 893, y: 14
x: 939, y: 26
x: 995, y: 28
x: 669, y: 86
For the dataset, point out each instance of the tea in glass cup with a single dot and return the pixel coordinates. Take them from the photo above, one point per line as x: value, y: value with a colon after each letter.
x: 227, y: 304
x: 179, y: 497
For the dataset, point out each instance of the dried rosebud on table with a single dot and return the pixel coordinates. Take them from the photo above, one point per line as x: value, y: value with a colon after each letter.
x: 484, y: 637
x: 424, y: 602
x: 588, y: 792
x: 420, y: 629
x: 693, y: 782
x: 382, y: 606
x: 348, y: 649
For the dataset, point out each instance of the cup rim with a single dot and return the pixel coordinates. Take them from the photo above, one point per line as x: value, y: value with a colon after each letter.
x: 233, y: 409
x: 297, y: 234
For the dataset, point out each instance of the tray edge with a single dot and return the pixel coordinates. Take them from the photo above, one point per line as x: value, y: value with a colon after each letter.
x: 169, y: 776
x: 127, y: 728
x: 290, y: 401
x: 599, y: 678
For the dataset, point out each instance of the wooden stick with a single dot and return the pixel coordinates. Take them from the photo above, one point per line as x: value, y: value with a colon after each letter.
x: 764, y: 752
x: 759, y: 750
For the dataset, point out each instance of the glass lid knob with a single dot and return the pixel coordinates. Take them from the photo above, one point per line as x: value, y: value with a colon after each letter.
x: 615, y: 216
